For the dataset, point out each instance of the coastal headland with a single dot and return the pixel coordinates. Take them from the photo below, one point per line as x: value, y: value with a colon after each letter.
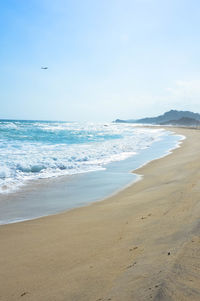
x: 141, y: 244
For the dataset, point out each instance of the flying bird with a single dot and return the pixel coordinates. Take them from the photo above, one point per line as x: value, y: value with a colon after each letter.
x: 44, y: 68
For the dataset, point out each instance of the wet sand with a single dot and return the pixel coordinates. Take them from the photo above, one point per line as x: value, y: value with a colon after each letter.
x: 141, y: 244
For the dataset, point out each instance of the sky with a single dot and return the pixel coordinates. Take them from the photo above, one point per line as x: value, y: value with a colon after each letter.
x: 107, y: 59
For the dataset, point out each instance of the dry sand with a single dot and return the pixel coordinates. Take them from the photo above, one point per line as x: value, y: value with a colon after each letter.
x: 142, y: 244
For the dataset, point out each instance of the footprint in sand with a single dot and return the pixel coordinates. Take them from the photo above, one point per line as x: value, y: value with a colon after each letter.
x: 24, y: 293
x: 144, y: 217
x: 132, y: 265
x: 135, y: 248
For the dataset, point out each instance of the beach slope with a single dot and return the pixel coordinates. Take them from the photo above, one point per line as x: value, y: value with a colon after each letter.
x: 141, y: 244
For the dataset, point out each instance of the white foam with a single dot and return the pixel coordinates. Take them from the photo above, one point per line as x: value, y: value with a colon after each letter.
x: 23, y: 161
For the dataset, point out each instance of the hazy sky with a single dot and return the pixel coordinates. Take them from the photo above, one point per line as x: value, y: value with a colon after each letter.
x: 107, y: 59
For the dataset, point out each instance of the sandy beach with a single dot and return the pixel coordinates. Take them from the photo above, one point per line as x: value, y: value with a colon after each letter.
x: 141, y: 244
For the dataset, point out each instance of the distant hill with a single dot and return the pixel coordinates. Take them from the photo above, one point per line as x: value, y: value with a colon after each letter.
x: 167, y: 118
x: 120, y: 121
x: 184, y: 121
x: 125, y: 121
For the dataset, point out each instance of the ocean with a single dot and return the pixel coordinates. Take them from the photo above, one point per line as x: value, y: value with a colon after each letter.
x: 36, y: 157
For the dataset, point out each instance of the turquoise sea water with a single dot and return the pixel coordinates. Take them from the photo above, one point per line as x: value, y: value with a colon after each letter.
x: 31, y: 150
x: 47, y: 167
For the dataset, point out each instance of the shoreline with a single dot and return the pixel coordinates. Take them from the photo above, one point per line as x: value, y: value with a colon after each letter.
x: 64, y: 193
x: 141, y: 244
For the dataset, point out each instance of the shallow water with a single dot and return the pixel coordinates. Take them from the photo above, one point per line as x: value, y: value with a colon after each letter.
x: 50, y: 196
x: 32, y: 150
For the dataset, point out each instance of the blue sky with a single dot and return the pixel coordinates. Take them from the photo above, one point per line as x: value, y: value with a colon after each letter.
x: 106, y: 59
